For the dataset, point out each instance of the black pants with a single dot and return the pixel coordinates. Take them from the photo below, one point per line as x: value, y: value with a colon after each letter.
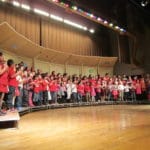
x: 25, y: 97
x: 45, y: 97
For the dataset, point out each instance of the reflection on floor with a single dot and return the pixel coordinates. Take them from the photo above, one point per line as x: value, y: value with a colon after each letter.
x: 111, y: 127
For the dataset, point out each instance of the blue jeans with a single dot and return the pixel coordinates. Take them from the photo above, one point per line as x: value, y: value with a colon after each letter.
x: 36, y: 97
x: 19, y: 98
x: 25, y: 97
x: 79, y: 97
x: 54, y: 96
x: 74, y: 97
x: 10, y: 96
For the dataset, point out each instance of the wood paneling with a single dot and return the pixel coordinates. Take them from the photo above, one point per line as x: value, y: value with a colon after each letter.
x: 72, y: 69
x: 25, y: 24
x: 54, y: 35
x: 57, y: 68
x: 66, y: 39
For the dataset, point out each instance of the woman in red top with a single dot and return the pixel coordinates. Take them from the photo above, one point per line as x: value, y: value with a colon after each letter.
x: 3, y: 81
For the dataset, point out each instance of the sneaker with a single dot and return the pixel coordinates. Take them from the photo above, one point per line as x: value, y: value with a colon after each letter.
x: 12, y: 110
x: 2, y: 113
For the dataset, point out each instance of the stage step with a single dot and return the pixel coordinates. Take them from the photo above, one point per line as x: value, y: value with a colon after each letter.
x: 10, y: 120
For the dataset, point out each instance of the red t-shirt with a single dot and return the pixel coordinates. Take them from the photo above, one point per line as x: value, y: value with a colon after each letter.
x: 87, y: 88
x: 36, y: 88
x: 45, y: 85
x: 98, y: 88
x: 80, y: 89
x: 12, y: 80
x: 53, y: 87
x: 40, y: 85
x: 3, y: 77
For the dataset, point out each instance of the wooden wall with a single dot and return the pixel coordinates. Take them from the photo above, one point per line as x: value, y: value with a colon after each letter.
x: 25, y: 24
x: 66, y: 39
x: 59, y: 68
x: 51, y: 34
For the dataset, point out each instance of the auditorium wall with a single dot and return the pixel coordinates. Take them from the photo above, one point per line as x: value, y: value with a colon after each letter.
x: 50, y: 34
x: 24, y: 23
x: 59, y: 68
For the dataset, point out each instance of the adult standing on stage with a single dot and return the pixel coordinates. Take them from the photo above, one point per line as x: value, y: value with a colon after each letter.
x: 3, y: 81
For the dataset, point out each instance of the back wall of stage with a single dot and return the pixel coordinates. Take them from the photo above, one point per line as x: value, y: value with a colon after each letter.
x: 60, y: 68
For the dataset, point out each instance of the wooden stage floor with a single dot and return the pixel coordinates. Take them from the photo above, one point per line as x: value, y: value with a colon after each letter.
x: 112, y: 127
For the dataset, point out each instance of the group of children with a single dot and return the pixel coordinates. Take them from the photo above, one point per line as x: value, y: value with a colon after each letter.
x: 21, y: 86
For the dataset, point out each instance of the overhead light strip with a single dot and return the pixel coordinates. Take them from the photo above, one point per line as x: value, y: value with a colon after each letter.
x: 75, y: 24
x: 15, y: 3
x: 52, y: 16
x: 26, y: 7
x: 41, y: 12
x: 56, y: 18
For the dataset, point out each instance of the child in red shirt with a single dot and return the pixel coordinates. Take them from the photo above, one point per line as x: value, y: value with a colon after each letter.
x: 12, y: 83
x: 3, y: 81
x: 87, y: 90
x: 80, y: 90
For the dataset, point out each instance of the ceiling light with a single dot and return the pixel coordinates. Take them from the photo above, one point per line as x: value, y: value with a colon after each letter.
x: 74, y: 7
x: 144, y: 3
x: 116, y: 27
x: 41, y: 12
x: 15, y: 3
x: 105, y: 22
x: 24, y: 6
x: 85, y: 28
x: 99, y: 19
x: 55, y: 1
x: 111, y: 24
x: 74, y: 24
x: 56, y: 18
x: 91, y: 15
x: 92, y: 30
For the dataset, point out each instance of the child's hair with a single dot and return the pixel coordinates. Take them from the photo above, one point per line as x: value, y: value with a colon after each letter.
x: 10, y: 62
x: 1, y: 54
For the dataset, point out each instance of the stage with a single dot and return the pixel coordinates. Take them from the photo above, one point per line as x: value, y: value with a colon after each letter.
x: 105, y: 127
x: 10, y: 120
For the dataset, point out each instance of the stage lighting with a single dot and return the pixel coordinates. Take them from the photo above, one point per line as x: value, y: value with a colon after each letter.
x: 24, y: 6
x: 99, y: 19
x: 111, y: 24
x: 41, y: 12
x: 75, y: 24
x: 122, y: 30
x: 116, y: 27
x: 144, y: 3
x: 92, y: 30
x: 56, y: 1
x: 85, y: 28
x: 56, y: 18
x: 105, y: 22
x: 91, y: 15
x: 15, y: 3
x: 74, y: 7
